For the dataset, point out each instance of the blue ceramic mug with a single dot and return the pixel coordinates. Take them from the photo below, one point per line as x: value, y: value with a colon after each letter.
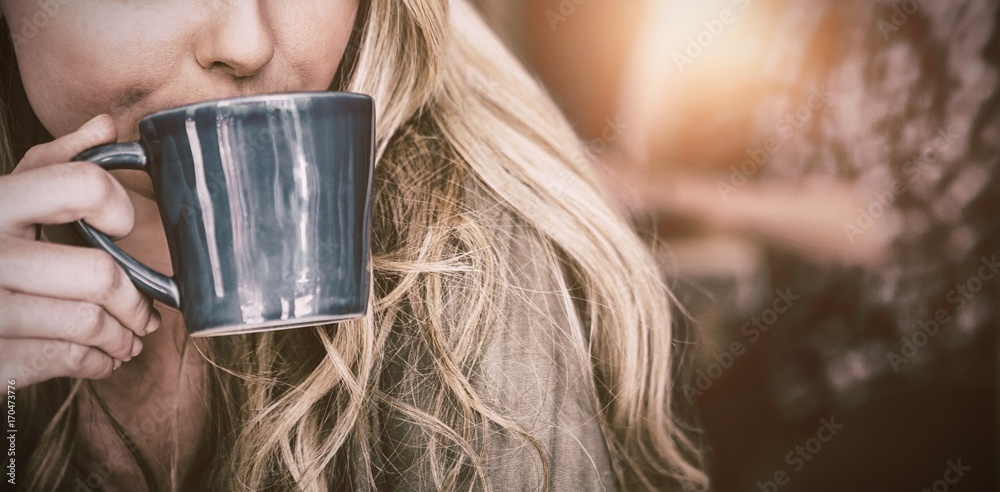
x: 266, y: 205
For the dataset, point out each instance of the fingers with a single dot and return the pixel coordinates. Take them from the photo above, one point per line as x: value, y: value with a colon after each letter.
x: 63, y: 193
x: 99, y: 130
x: 76, y: 274
x: 45, y: 188
x: 66, y: 311
x: 27, y: 316
x: 31, y: 361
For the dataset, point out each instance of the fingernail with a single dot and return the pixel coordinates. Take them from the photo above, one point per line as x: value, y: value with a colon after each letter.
x: 95, y: 123
x: 90, y: 122
x: 118, y: 364
x: 136, y: 346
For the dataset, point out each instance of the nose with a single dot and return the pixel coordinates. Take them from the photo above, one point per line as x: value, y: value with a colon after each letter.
x: 238, y: 40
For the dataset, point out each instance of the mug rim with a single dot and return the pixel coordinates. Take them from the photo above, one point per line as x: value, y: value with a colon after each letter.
x: 256, y: 98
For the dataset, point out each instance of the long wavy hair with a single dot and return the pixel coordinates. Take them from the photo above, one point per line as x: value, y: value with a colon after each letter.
x: 458, y: 117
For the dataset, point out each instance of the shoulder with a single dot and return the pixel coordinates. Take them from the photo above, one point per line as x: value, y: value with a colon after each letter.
x: 535, y: 369
x: 522, y: 356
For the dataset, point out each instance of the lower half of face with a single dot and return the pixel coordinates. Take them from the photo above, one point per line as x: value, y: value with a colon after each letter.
x: 130, y: 59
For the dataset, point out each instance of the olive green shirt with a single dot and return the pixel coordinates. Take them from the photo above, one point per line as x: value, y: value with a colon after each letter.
x: 530, y: 373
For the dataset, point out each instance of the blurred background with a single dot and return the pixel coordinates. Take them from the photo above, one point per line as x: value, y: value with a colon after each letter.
x: 820, y: 182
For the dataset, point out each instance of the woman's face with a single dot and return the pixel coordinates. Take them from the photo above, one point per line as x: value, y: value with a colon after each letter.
x: 129, y: 58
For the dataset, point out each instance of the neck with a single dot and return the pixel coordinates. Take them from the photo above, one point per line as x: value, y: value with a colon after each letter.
x: 159, y: 397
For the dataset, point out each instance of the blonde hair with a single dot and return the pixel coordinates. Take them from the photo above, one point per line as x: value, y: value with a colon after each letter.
x: 457, y: 118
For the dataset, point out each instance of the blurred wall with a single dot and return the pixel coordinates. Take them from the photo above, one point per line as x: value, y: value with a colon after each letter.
x: 577, y: 48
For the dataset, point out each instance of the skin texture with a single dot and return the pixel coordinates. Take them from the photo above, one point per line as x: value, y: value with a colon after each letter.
x: 126, y: 59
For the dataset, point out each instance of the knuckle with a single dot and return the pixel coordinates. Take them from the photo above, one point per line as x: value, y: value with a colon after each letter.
x: 34, y: 154
x: 106, y: 368
x: 76, y: 357
x: 106, y: 274
x: 87, y: 362
x: 95, y: 182
x: 92, y: 319
x: 100, y: 193
x: 77, y: 171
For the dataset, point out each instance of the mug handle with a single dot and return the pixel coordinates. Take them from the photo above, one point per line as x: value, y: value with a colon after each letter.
x: 110, y: 157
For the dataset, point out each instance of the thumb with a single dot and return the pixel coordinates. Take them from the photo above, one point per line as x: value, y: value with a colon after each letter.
x: 99, y: 130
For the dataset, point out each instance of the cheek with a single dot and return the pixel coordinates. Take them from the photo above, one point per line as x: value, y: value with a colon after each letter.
x: 107, y: 57
x: 89, y: 60
x: 66, y: 91
x: 314, y: 36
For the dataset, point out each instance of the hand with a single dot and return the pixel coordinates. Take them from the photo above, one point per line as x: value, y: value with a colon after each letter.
x: 66, y: 311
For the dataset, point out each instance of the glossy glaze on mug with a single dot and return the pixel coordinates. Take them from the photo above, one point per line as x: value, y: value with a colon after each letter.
x: 266, y: 205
